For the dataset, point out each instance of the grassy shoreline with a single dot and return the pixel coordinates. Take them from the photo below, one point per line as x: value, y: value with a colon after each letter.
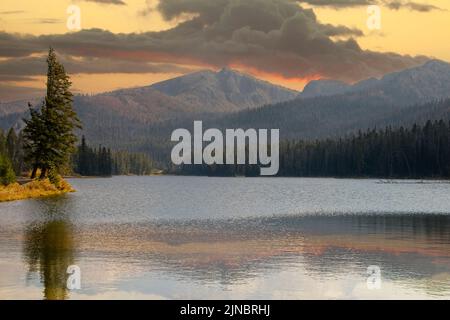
x: 33, y: 189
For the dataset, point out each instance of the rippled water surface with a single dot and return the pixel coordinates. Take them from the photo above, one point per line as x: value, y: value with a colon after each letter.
x: 206, y: 238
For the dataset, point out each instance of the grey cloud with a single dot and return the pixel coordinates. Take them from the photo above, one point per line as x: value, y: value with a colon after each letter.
x: 273, y: 36
x: 392, y: 4
x: 339, y: 3
x: 415, y: 6
x: 11, y: 93
x: 20, y: 69
x: 14, y: 77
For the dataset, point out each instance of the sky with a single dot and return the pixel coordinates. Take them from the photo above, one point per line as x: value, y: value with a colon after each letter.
x: 127, y: 43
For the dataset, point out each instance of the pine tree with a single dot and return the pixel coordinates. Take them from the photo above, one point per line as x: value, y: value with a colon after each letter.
x: 35, y: 139
x: 83, y: 157
x: 11, y: 143
x: 49, y: 134
x: 7, y: 174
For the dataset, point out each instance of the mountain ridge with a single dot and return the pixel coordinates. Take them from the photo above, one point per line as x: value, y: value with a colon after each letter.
x: 203, y: 91
x: 397, y: 85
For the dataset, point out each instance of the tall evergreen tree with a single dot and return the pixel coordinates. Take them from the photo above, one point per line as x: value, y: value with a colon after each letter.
x: 49, y: 133
x: 83, y: 157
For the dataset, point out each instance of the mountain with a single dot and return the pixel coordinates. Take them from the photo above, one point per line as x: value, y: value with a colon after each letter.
x: 125, y: 118
x: 344, y: 109
x: 143, y: 104
x: 416, y: 85
x: 223, y: 91
x: 199, y: 92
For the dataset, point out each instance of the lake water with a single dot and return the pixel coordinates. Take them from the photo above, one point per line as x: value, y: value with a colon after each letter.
x: 168, y: 237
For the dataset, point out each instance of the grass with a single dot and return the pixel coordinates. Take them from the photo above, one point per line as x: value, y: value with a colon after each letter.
x: 33, y: 189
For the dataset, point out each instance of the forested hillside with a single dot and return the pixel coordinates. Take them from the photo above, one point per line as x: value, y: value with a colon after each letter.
x: 415, y: 152
x: 420, y: 151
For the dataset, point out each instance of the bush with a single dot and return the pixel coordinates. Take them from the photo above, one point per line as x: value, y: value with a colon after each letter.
x: 7, y: 175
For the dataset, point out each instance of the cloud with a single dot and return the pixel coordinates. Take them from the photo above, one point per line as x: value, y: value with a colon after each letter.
x: 11, y: 92
x: 276, y: 37
x: 117, y: 2
x: 391, y: 4
x: 47, y: 21
x: 12, y: 12
x: 15, y: 77
x: 415, y: 6
x: 20, y: 69
x: 339, y: 3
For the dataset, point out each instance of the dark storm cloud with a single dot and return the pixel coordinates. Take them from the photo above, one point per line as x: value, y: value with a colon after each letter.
x: 271, y: 36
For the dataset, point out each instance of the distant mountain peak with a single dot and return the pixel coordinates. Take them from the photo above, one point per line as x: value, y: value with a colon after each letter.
x: 229, y: 72
x: 436, y: 63
x: 223, y: 91
x: 416, y: 84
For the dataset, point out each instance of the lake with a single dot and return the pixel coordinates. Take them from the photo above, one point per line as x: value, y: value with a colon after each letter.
x: 169, y: 237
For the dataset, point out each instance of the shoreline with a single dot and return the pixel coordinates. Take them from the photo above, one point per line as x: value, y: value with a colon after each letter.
x: 33, y: 189
x: 380, y: 179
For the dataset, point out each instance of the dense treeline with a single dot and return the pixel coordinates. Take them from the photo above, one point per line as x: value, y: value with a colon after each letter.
x: 101, y: 161
x: 126, y: 163
x: 307, y: 119
x: 422, y: 151
x: 92, y: 162
x: 315, y: 119
x: 86, y: 161
x: 417, y: 152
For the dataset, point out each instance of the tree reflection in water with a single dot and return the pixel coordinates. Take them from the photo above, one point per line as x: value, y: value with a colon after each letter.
x: 49, y: 249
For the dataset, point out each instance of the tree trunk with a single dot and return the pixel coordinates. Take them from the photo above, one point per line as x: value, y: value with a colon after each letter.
x: 43, y: 173
x: 33, y: 173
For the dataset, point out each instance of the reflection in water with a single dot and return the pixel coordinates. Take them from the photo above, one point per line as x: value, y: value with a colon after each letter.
x: 49, y: 250
x: 229, y: 238
x: 412, y: 250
